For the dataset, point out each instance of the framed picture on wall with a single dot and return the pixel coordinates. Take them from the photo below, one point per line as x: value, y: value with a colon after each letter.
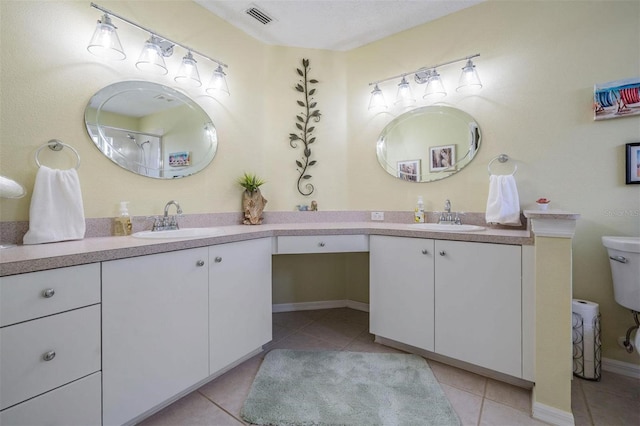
x: 620, y: 98
x: 633, y: 163
x: 442, y: 157
x: 409, y: 170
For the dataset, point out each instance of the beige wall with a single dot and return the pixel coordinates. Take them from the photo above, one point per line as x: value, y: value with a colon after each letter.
x: 538, y: 65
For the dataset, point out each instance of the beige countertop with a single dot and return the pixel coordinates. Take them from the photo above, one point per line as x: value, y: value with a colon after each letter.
x: 30, y: 258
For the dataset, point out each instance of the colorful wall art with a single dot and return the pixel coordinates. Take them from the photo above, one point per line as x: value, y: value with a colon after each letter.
x: 616, y: 99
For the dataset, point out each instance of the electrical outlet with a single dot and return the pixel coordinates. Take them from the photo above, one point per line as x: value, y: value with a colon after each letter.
x: 377, y: 215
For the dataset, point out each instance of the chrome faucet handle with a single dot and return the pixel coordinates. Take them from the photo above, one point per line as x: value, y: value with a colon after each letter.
x: 157, y: 223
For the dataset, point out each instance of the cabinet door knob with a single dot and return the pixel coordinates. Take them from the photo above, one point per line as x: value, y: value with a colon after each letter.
x: 49, y: 292
x: 424, y: 251
x: 321, y: 244
x: 218, y: 259
x: 200, y: 263
x: 48, y: 356
x: 442, y: 253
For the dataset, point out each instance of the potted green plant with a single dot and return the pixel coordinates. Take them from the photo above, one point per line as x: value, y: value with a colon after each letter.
x: 252, y: 200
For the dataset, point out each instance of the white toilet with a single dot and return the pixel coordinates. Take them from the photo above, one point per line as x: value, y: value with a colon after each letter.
x: 624, y: 258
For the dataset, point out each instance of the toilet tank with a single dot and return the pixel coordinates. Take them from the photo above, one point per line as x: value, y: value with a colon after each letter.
x: 624, y: 258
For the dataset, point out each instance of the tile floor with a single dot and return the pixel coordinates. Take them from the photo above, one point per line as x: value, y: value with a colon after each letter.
x: 614, y: 401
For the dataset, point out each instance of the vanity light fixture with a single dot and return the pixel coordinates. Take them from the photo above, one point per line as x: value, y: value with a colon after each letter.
x: 151, y: 58
x: 435, y: 89
x: 469, y: 79
x: 404, y: 96
x: 218, y: 83
x: 429, y: 76
x: 105, y: 43
x: 188, y: 72
x: 377, y: 101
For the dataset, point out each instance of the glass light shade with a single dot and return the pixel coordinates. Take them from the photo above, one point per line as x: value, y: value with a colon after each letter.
x: 404, y: 96
x: 151, y: 59
x: 377, y: 99
x: 218, y: 84
x: 435, y: 88
x: 105, y: 42
x: 188, y: 73
x: 469, y: 79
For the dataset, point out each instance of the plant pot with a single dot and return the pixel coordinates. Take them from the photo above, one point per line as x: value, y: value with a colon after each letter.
x: 543, y: 206
x: 253, y: 205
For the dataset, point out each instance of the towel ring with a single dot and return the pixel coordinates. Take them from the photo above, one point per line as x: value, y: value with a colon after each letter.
x: 502, y: 158
x: 56, y: 145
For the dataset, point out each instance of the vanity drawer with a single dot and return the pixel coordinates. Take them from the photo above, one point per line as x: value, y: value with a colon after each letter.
x: 322, y: 244
x: 76, y: 404
x: 73, y: 337
x: 38, y: 294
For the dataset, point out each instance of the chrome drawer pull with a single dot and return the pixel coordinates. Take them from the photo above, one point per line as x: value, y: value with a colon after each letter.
x: 48, y: 356
x: 321, y: 244
x: 218, y: 259
x: 48, y: 293
x: 424, y: 251
x: 200, y: 263
x: 442, y: 253
x: 620, y: 259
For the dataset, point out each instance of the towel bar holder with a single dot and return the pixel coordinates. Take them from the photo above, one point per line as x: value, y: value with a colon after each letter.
x: 502, y: 158
x: 56, y: 145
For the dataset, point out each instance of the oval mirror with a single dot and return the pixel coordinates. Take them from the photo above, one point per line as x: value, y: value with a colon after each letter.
x: 428, y: 143
x: 151, y: 129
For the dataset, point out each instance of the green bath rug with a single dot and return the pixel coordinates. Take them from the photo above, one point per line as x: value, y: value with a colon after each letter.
x: 346, y: 388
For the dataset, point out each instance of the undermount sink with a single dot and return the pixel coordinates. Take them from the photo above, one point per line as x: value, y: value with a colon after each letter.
x: 179, y: 233
x: 437, y: 227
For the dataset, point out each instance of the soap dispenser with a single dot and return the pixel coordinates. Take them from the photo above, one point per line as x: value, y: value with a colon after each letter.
x: 419, y: 213
x: 122, y: 224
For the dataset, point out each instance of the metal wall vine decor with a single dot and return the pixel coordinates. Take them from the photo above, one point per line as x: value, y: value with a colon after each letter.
x: 305, y: 137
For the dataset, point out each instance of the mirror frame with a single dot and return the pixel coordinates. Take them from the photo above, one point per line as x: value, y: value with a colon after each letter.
x: 162, y: 162
x: 472, y: 144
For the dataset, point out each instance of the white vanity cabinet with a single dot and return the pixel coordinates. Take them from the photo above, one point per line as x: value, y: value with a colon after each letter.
x: 50, y: 347
x: 458, y: 299
x: 155, y: 330
x: 478, y: 310
x: 239, y: 300
x: 401, y: 290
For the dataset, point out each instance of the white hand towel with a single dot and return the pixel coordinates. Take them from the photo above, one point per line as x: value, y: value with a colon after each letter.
x: 503, y: 204
x: 56, y: 212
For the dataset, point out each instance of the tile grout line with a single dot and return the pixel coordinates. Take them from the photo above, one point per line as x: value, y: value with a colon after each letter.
x: 221, y: 407
x: 484, y: 393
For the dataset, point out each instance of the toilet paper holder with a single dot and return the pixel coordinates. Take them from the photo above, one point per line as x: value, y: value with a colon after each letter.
x: 586, y: 365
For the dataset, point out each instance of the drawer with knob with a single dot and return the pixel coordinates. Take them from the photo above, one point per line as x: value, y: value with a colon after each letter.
x: 322, y: 244
x: 37, y: 294
x: 45, y: 353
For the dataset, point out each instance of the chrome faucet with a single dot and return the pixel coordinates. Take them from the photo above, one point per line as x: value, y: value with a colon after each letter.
x: 168, y: 223
x: 447, y: 217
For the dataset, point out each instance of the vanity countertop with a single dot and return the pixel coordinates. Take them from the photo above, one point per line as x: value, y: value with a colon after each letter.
x: 31, y: 258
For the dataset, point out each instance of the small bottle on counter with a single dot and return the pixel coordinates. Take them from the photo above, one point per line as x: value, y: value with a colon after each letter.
x: 122, y: 224
x: 419, y: 213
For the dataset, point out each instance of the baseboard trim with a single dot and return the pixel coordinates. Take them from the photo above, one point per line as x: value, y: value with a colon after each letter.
x: 552, y: 415
x: 620, y: 367
x: 324, y: 304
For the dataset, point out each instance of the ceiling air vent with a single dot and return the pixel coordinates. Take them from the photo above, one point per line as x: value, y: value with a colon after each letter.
x: 259, y: 15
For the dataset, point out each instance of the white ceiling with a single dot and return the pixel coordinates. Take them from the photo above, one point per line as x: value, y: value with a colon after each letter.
x: 331, y: 24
